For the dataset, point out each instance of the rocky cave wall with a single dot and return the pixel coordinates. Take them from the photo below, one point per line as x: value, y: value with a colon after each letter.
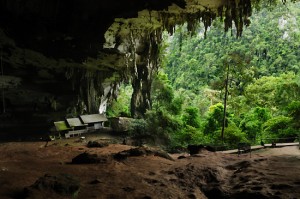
x: 64, y: 58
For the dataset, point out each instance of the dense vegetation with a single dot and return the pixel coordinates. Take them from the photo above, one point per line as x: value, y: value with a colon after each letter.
x: 259, y: 71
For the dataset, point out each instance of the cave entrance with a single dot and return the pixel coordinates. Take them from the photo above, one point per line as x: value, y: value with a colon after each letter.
x: 200, y: 66
x: 139, y: 39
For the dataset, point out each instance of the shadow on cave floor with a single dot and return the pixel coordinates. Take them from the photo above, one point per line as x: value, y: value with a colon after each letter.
x: 38, y: 134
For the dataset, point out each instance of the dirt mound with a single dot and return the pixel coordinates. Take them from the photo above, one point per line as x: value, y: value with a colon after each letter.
x: 88, y: 158
x: 141, y: 151
x: 97, y: 144
x: 209, y: 180
x: 61, y: 184
x: 263, y: 178
x: 239, y: 165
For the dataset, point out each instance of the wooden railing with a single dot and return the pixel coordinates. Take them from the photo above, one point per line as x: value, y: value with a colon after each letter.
x: 274, y: 141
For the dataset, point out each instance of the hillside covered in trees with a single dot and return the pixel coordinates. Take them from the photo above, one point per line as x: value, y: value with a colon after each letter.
x: 256, y: 77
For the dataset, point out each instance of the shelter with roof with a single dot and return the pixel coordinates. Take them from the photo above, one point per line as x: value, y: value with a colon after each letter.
x: 94, y: 121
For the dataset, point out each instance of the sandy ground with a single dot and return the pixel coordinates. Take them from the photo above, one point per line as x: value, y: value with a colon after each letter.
x: 269, y: 173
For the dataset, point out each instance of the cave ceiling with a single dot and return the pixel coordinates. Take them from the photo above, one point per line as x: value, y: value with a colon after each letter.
x: 67, y: 57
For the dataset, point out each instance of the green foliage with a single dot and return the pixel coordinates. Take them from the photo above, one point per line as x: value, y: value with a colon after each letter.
x: 163, y: 125
x: 121, y: 106
x: 273, y: 92
x: 176, y: 105
x: 191, y: 117
x: 212, y: 128
x: 162, y: 92
x: 293, y: 110
x: 184, y: 137
x: 263, y: 83
x: 269, y: 46
x: 233, y: 135
x: 188, y: 135
x: 278, y: 127
x: 253, y: 121
x: 214, y: 119
x: 137, y: 128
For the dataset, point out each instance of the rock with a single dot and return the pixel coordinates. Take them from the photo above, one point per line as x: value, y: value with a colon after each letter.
x: 192, y: 196
x: 94, y: 144
x: 249, y: 195
x: 214, y: 191
x: 163, y: 154
x: 128, y: 189
x: 120, y: 156
x: 281, y: 186
x: 88, y: 158
x: 239, y: 165
x: 121, y: 124
x: 181, y: 157
x: 210, y: 148
x: 96, y: 181
x: 141, y: 151
x: 194, y: 149
x: 62, y: 184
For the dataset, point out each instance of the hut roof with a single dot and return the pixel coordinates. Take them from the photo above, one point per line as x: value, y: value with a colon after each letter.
x: 61, y: 126
x: 74, y: 122
x: 94, y: 118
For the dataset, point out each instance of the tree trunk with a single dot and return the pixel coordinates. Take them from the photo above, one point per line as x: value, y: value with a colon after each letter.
x: 225, y: 104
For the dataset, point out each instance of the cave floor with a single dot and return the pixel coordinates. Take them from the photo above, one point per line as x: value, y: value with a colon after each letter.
x: 269, y: 173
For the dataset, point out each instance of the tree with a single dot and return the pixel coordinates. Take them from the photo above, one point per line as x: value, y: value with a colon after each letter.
x: 162, y: 92
x: 253, y: 121
x: 214, y: 119
x: 293, y: 111
x: 273, y: 92
x: 279, y: 127
x: 191, y: 117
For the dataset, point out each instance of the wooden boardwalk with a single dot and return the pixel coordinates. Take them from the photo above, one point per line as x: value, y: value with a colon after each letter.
x: 261, y: 147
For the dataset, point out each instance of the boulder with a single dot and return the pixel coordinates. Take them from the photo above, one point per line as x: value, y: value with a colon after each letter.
x: 88, y: 158
x: 62, y: 184
x: 141, y: 151
x: 97, y: 144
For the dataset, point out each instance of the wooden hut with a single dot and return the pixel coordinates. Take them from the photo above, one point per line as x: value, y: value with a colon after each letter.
x: 61, y: 127
x: 77, y: 127
x: 94, y: 121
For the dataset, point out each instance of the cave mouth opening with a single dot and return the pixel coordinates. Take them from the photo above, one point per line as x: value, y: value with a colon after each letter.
x: 70, y: 72
x: 197, y: 65
x: 140, y: 39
